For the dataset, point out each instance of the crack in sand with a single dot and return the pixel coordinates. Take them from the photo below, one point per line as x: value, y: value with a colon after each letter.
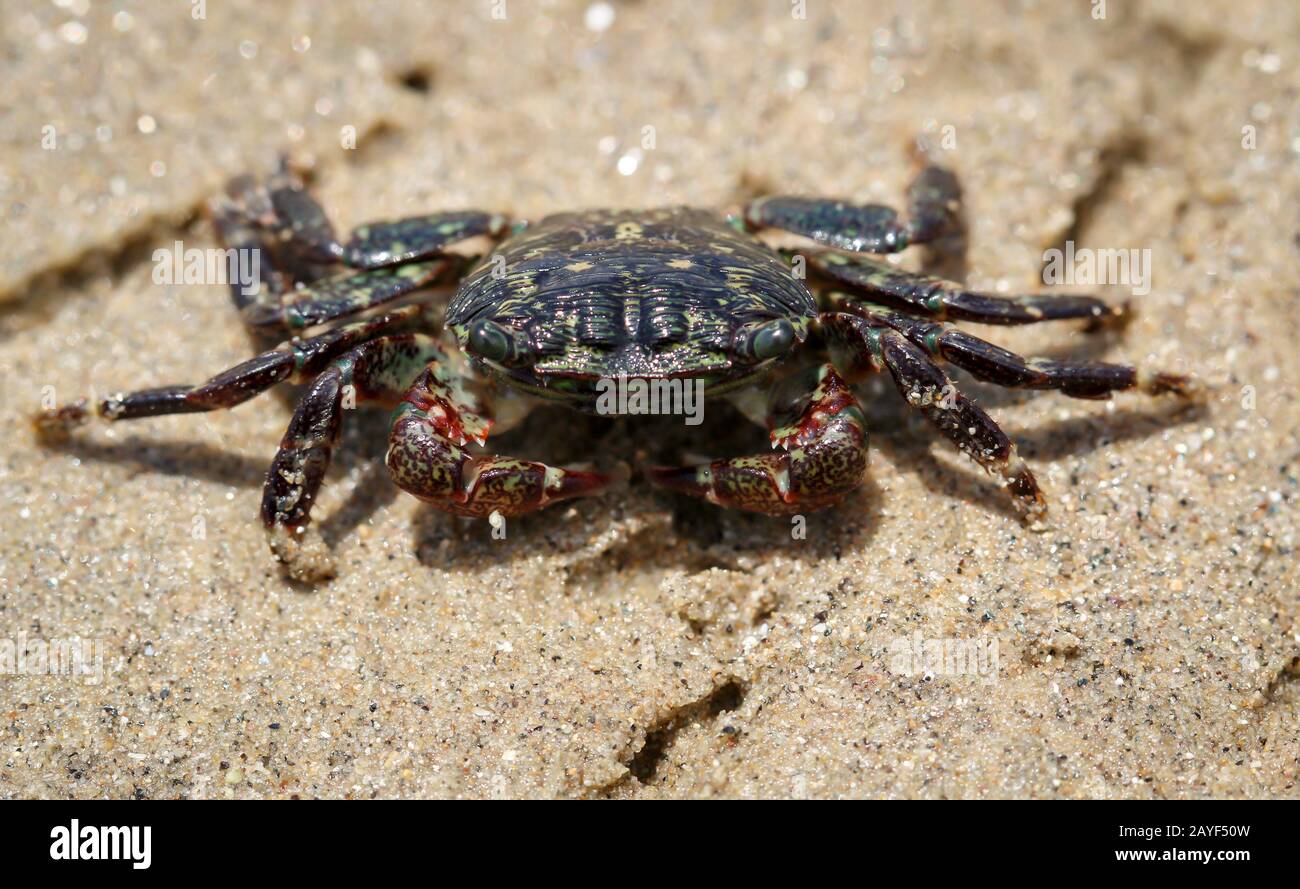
x: 661, y: 735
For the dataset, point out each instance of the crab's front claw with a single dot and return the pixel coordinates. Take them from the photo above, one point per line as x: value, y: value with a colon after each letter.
x: 775, y: 484
x: 425, y: 462
x: 440, y: 473
x: 823, y: 456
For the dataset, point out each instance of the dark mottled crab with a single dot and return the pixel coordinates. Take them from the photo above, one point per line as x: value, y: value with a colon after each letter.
x: 588, y: 296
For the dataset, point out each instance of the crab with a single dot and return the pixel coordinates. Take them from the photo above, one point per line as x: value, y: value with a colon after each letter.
x: 578, y: 298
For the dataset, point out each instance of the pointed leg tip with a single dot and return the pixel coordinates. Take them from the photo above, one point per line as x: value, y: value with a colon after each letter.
x: 1033, y: 511
x: 1181, y: 385
x: 1029, y: 499
x: 55, y: 425
x: 302, y: 553
x: 1115, y: 316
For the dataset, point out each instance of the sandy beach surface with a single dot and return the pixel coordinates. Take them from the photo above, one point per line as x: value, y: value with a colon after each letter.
x: 639, y: 645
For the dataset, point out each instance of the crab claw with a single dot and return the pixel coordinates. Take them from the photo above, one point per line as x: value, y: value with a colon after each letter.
x: 696, y: 481
x: 565, y: 484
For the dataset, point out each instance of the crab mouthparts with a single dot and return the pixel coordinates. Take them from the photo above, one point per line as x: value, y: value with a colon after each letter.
x: 633, y: 361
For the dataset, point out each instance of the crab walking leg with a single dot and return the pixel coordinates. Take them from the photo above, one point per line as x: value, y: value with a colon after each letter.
x: 933, y: 200
x: 417, y: 237
x: 879, y: 282
x: 296, y: 361
x: 298, y: 220
x: 301, y: 220
x: 295, y: 240
x: 239, y: 231
x: 822, y: 439
x: 928, y: 389
x: 349, y: 293
x: 438, y: 416
x: 377, y: 371
x: 993, y: 364
x: 247, y: 220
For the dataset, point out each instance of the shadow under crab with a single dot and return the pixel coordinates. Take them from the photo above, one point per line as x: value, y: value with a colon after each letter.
x: 561, y: 308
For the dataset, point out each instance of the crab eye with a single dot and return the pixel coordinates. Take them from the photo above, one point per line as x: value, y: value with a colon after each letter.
x: 764, y: 340
x: 773, y: 339
x: 489, y: 340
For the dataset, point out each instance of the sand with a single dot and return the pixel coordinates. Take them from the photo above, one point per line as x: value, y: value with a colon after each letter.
x: 1144, y: 645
